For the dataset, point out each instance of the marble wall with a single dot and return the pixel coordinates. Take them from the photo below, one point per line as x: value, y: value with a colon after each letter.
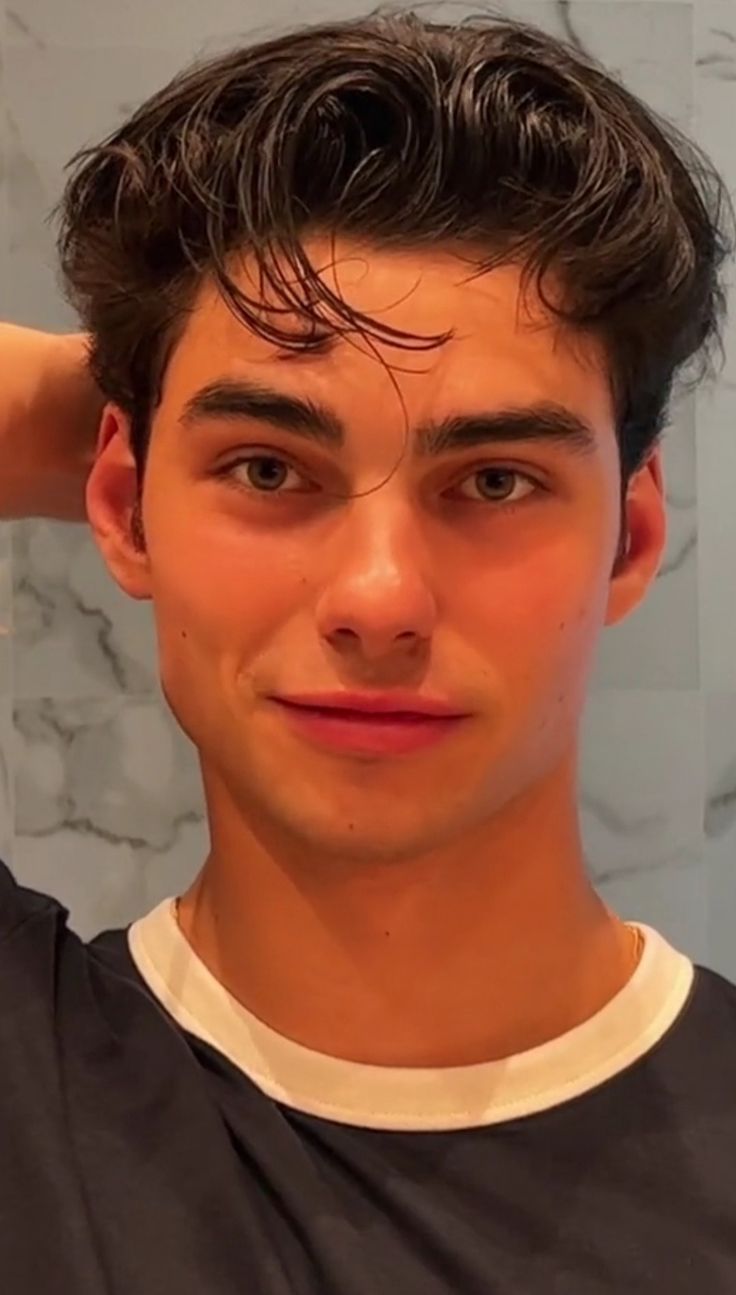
x: 99, y: 798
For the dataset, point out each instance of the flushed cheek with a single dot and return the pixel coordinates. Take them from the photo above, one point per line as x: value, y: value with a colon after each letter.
x: 542, y: 630
x: 227, y: 589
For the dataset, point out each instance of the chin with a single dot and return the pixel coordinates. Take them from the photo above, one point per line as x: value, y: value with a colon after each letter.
x: 361, y: 848
x: 369, y: 832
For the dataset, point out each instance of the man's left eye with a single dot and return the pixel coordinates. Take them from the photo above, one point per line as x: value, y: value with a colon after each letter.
x: 264, y: 474
x: 498, y: 485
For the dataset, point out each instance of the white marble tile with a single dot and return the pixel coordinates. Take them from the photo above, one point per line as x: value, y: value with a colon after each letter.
x: 714, y: 34
x: 30, y: 292
x: 646, y: 43
x: 93, y: 90
x: 720, y: 829
x: 3, y: 155
x: 642, y: 795
x: 137, y: 24
x: 674, y: 900
x: 717, y: 532
x: 716, y: 405
x: 642, y: 783
x: 75, y: 632
x: 84, y: 23
x: 109, y: 813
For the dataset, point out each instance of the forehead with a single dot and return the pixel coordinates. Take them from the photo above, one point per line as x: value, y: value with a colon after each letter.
x: 501, y: 342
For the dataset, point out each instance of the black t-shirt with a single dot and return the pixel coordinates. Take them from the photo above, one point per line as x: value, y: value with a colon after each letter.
x: 155, y: 1139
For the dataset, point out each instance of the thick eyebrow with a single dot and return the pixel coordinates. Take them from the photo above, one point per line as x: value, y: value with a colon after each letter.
x: 231, y: 399
x: 545, y: 421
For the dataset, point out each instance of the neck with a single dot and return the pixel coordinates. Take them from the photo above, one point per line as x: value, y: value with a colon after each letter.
x: 467, y: 955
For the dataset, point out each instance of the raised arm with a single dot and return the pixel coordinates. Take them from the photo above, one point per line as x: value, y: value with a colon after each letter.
x: 49, y: 414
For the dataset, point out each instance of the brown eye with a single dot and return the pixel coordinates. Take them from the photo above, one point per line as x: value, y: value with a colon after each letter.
x: 265, y: 472
x: 495, y: 485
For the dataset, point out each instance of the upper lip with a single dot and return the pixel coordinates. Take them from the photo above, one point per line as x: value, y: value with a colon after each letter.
x: 393, y: 703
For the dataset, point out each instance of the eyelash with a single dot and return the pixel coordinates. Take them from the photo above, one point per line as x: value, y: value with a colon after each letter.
x: 226, y: 472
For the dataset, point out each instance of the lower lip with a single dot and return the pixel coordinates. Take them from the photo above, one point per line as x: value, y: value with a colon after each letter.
x: 355, y: 733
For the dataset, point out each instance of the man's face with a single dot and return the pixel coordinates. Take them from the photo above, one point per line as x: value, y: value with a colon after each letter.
x: 281, y: 563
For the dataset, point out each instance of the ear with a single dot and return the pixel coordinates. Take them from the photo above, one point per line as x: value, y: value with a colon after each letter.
x: 114, y: 505
x: 644, y: 540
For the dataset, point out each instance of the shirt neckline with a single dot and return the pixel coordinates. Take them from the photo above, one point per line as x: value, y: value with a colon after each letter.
x: 412, y: 1099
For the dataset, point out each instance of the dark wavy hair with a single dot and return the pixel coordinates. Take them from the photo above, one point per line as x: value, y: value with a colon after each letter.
x: 488, y: 135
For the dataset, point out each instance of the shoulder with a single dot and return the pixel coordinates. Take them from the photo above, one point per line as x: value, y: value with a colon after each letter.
x: 72, y: 1002
x: 42, y: 958
x: 714, y: 998
x: 19, y: 906
x: 32, y: 926
x: 699, y: 1051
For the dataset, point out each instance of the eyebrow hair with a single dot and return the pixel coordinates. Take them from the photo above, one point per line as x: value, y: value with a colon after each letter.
x: 545, y: 420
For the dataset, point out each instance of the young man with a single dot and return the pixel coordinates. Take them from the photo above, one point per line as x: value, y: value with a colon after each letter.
x: 435, y: 284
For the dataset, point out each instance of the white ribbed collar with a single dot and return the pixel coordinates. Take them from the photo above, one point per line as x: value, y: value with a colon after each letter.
x: 383, y: 1097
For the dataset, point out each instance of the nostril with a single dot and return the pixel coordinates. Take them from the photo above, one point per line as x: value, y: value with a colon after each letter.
x: 343, y: 632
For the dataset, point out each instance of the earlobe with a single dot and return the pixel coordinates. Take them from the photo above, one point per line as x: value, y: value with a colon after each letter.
x: 114, y: 505
x: 644, y: 541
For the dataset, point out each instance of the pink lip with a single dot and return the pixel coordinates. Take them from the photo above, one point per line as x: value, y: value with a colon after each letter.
x: 394, y: 703
x: 371, y: 724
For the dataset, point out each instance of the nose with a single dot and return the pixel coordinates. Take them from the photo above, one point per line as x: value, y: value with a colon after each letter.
x: 378, y: 601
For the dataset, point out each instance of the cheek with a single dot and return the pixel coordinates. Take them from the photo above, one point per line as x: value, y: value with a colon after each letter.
x: 539, y: 623
x: 218, y: 594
